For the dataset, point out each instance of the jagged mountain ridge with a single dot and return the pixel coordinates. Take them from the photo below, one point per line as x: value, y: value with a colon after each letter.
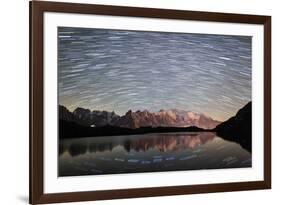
x: 163, y: 118
x: 166, y: 118
x: 88, y: 118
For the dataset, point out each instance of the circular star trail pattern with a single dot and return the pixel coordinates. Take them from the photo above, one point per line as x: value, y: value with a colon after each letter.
x: 116, y: 70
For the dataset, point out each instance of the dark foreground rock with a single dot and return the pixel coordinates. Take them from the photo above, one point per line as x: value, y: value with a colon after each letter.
x: 74, y: 130
x: 238, y: 128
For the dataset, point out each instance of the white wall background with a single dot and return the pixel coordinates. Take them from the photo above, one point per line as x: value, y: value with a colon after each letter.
x: 14, y: 100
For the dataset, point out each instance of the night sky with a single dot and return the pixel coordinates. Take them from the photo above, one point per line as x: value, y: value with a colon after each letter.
x: 117, y: 70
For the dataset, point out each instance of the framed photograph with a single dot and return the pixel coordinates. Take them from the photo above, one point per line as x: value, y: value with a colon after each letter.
x: 139, y: 102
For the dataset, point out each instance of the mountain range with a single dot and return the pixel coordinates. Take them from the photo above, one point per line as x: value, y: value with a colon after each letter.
x: 138, y: 119
x: 85, y: 123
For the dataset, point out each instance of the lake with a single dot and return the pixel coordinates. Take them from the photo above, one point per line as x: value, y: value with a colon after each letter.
x: 149, y: 153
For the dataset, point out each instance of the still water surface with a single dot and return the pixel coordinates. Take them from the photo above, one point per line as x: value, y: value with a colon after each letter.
x: 149, y: 153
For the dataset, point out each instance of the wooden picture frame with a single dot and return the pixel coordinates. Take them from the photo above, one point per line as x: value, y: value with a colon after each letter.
x: 37, y: 10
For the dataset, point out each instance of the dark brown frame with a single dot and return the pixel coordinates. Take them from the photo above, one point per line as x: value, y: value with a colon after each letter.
x: 37, y: 8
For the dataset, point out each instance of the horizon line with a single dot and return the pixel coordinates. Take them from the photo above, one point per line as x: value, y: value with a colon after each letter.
x: 151, y: 111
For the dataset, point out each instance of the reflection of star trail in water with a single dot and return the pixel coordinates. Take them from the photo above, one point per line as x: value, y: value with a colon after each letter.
x: 121, y: 70
x: 148, y: 153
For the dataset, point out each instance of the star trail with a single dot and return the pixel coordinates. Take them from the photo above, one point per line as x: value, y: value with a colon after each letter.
x: 119, y: 70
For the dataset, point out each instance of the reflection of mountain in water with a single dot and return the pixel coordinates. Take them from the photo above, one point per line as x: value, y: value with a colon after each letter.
x: 149, y: 153
x: 72, y: 125
x: 161, y: 142
x: 170, y: 142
